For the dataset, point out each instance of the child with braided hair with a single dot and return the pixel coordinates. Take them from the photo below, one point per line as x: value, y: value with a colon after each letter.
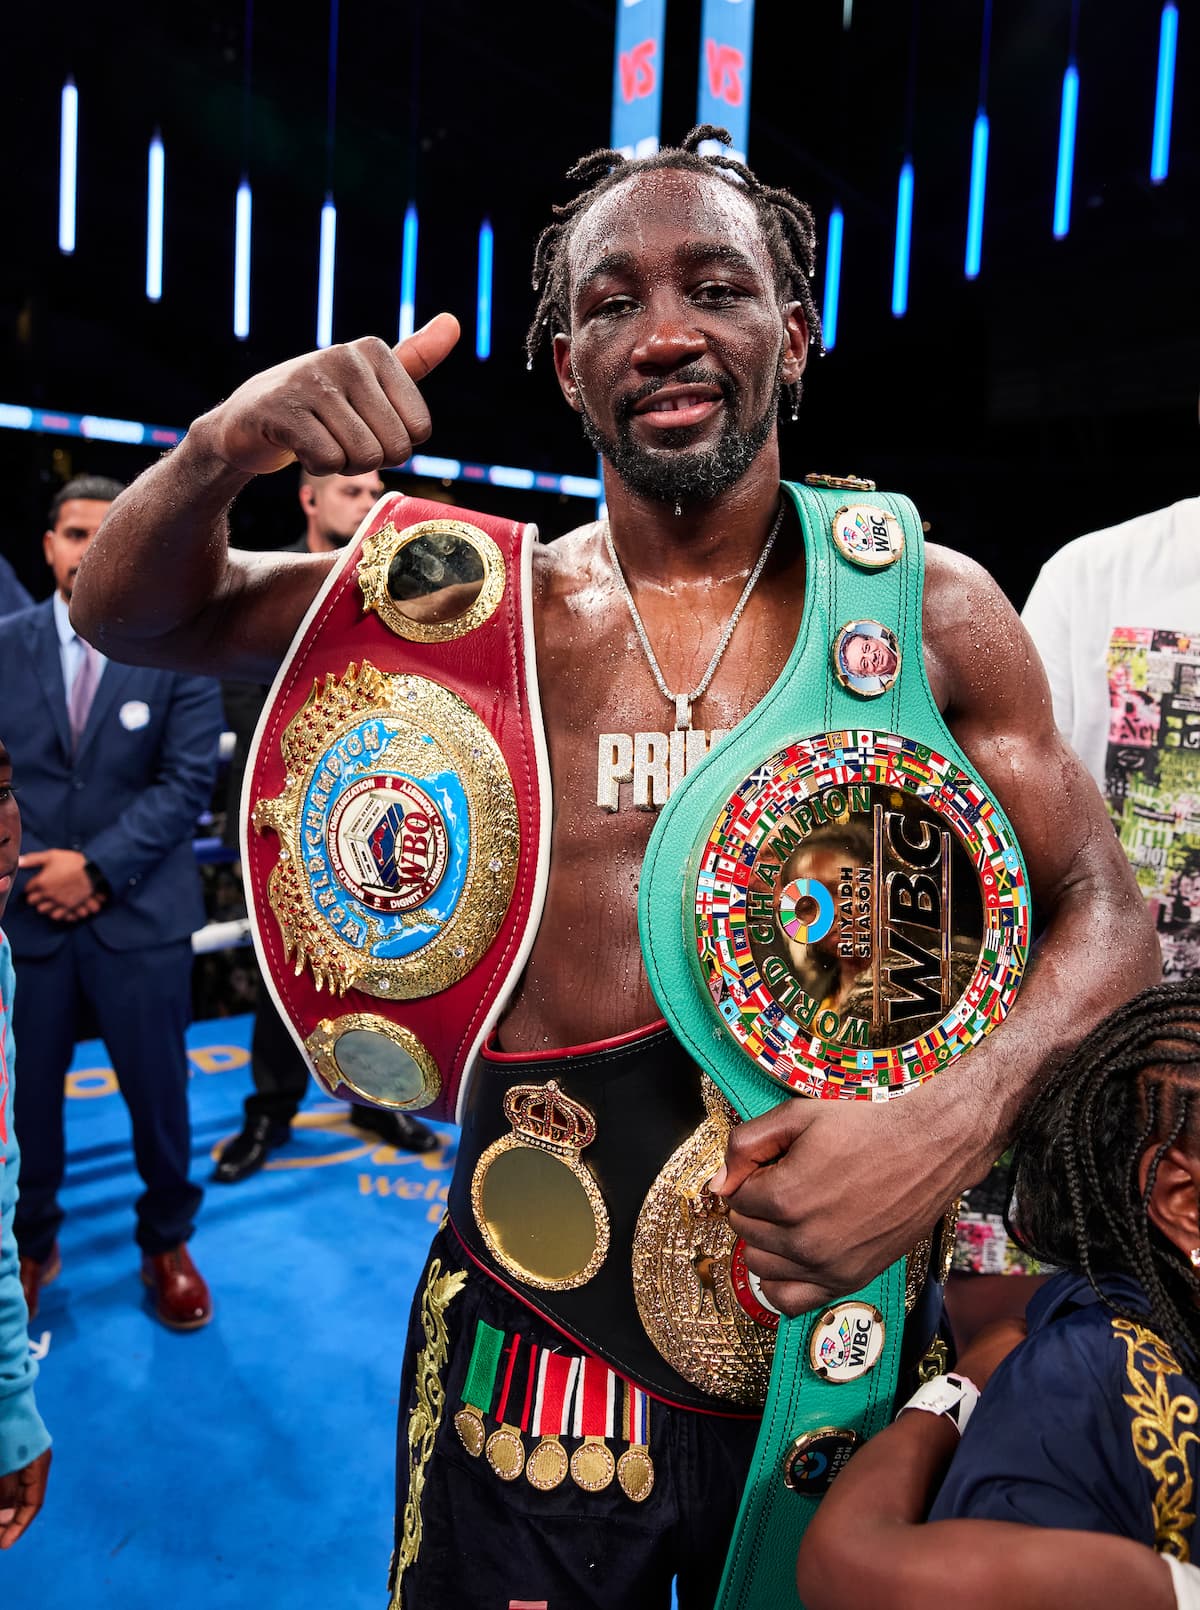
x: 1090, y: 1425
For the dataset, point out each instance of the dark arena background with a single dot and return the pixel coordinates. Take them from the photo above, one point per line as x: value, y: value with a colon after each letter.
x: 1006, y: 200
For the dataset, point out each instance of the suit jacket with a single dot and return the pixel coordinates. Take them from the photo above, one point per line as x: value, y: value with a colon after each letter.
x: 128, y: 799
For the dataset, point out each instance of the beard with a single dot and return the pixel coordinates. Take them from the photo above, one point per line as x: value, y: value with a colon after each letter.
x: 672, y: 474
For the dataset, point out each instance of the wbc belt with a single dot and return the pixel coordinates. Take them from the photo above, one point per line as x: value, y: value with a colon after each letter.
x: 853, y: 916
x: 396, y: 813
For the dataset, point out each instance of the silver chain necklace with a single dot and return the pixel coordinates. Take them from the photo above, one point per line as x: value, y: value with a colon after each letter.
x: 683, y: 702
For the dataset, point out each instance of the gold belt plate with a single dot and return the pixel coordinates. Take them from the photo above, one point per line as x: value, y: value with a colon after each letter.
x: 696, y: 1300
x: 535, y: 1201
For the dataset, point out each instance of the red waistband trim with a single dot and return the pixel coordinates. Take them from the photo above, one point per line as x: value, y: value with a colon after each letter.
x: 490, y: 1052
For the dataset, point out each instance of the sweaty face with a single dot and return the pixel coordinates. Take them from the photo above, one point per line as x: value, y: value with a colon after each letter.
x: 65, y: 544
x: 678, y: 338
x: 869, y: 656
x: 341, y: 503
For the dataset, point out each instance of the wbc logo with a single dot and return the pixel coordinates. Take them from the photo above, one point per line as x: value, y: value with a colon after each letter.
x: 846, y: 1341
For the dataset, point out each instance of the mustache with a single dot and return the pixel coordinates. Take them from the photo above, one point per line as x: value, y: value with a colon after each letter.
x: 693, y: 376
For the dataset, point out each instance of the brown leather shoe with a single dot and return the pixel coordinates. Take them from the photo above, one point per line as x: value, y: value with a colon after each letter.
x: 181, y: 1295
x: 35, y: 1275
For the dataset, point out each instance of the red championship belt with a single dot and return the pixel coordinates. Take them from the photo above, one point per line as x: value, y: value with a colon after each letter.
x: 396, y: 816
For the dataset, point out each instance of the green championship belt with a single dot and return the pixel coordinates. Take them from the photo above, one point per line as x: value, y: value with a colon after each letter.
x: 832, y: 902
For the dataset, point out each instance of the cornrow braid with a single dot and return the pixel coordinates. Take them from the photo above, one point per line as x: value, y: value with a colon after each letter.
x: 787, y: 226
x: 1134, y: 1082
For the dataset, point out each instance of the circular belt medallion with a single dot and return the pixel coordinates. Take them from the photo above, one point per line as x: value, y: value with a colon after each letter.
x: 915, y: 948
x: 375, y: 1058
x: 846, y: 1341
x: 866, y: 658
x: 535, y: 1201
x: 431, y: 582
x: 867, y: 535
x: 398, y: 832
x: 814, y: 1459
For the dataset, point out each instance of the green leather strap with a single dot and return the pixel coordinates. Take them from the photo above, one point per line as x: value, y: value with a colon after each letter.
x: 806, y: 699
x: 760, y: 1569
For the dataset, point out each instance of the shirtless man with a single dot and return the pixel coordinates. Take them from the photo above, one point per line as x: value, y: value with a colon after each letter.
x: 678, y: 305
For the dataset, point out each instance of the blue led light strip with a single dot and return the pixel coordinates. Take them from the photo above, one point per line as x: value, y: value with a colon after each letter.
x: 243, y: 219
x: 1066, y: 152
x: 67, y: 165
x: 156, y: 174
x: 243, y: 214
x: 904, y: 203
x: 833, y: 279
x: 1164, y: 95
x: 979, y: 156
x: 96, y: 428
x: 325, y: 276
x: 483, y: 295
x: 408, y: 273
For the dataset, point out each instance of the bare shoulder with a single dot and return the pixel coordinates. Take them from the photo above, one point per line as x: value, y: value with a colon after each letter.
x: 977, y: 653
x: 565, y: 568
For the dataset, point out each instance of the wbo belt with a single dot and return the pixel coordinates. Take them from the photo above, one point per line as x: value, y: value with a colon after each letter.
x: 396, y: 814
x: 580, y: 1187
x: 854, y: 916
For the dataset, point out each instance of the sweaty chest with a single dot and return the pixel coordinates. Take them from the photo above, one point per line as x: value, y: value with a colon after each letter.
x: 615, y: 750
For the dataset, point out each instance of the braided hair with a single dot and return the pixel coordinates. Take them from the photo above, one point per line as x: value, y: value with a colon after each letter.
x: 787, y: 226
x: 1134, y: 1082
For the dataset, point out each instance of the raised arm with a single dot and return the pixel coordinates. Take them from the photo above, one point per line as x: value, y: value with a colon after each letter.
x: 891, y: 1169
x: 160, y: 584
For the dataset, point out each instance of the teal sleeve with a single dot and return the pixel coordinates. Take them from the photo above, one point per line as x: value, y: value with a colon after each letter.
x: 22, y: 1435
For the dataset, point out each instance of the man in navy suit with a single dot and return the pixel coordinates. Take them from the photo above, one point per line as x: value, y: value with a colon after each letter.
x: 113, y: 765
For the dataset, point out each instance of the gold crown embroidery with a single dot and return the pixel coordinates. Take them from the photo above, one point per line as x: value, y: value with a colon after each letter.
x: 544, y: 1116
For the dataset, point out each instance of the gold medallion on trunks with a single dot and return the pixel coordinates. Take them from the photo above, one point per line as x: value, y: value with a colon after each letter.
x: 698, y: 1302
x: 506, y: 1452
x: 399, y: 838
x: 535, y: 1201
x: 546, y: 1467
x: 635, y: 1472
x: 468, y: 1422
x: 592, y: 1465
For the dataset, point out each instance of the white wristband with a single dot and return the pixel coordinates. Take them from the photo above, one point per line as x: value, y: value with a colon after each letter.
x: 1185, y: 1579
x: 950, y: 1395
